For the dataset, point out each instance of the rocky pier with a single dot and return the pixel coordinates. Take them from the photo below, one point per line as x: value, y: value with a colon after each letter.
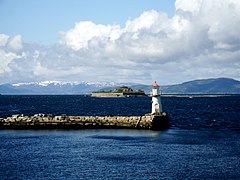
x: 47, y: 121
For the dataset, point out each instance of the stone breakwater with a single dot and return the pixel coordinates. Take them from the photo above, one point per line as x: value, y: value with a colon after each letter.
x: 43, y: 121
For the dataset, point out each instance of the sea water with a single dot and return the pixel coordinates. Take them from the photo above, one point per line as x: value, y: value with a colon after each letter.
x: 202, y: 143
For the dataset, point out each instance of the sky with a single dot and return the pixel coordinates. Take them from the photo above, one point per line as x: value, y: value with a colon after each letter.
x: 119, y: 41
x: 40, y: 21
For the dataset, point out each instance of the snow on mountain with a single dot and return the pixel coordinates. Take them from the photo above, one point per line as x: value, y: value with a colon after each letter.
x: 58, y: 87
x: 45, y: 83
x: 59, y: 83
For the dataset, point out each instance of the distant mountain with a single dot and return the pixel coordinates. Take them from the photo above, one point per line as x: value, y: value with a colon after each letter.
x: 55, y: 87
x: 204, y: 86
x: 9, y: 89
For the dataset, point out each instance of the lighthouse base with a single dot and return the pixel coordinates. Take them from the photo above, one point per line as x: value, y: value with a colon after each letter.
x: 160, y: 122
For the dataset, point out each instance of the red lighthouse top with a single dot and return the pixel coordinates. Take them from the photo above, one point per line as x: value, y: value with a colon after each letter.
x: 155, y: 84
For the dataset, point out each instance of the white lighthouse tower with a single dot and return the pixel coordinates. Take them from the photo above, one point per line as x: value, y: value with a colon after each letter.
x: 156, y: 100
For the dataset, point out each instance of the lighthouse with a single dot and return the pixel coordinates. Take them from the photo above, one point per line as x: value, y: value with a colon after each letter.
x: 156, y: 100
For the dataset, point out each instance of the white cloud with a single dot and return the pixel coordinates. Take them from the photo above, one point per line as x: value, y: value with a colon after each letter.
x: 3, y: 39
x: 201, y: 40
x: 15, y: 43
x: 84, y: 31
x: 6, y: 59
x: 8, y: 48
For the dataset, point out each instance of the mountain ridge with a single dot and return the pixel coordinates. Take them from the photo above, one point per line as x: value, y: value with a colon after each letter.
x: 199, y: 86
x: 205, y: 86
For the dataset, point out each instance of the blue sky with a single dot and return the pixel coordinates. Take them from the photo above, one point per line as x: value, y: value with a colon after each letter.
x: 40, y: 21
x: 137, y: 41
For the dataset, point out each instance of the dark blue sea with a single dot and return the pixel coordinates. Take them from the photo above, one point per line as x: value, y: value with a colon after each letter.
x: 202, y: 143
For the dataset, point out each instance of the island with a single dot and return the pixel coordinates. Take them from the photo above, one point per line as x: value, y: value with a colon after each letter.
x: 122, y: 91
